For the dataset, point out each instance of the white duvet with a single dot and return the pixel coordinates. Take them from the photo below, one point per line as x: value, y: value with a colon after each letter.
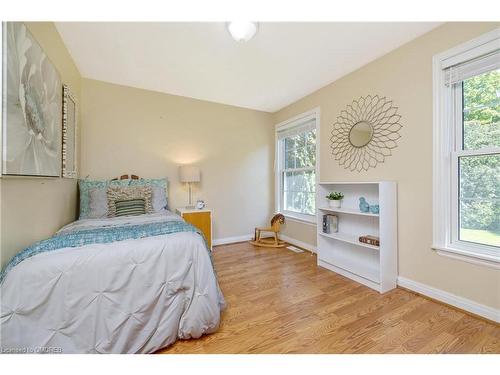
x: 131, y: 296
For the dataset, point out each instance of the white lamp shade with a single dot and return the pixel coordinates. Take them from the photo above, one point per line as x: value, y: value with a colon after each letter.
x: 189, y: 173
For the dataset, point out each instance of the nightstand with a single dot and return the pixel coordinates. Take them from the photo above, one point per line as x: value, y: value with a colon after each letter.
x: 201, y: 219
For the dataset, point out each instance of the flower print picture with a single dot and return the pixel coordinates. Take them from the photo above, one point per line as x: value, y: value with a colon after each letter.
x: 33, y: 107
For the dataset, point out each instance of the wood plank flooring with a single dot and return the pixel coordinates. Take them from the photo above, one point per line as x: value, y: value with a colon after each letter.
x: 282, y: 302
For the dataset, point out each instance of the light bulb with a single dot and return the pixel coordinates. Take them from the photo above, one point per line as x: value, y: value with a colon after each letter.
x: 242, y: 31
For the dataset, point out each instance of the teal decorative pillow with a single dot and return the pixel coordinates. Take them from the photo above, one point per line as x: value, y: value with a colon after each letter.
x: 86, y: 185
x: 131, y: 207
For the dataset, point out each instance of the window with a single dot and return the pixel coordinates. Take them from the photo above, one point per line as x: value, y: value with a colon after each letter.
x: 296, y: 167
x: 478, y: 159
x: 467, y: 151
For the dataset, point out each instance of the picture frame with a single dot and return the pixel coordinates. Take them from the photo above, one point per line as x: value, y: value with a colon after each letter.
x: 31, y: 106
x: 69, y: 134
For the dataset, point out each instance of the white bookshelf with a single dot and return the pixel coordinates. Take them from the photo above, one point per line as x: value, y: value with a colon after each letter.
x: 341, y: 252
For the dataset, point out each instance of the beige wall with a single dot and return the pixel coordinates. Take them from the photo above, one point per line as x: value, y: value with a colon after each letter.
x: 150, y: 134
x: 33, y: 208
x: 404, y: 75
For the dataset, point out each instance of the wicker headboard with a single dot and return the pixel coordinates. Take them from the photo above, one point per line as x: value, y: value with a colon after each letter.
x: 126, y: 177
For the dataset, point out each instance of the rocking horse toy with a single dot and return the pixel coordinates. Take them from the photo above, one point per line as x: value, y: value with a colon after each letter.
x: 274, y: 241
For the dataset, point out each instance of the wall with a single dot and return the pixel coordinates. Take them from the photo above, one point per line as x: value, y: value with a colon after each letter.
x: 129, y: 130
x: 404, y: 75
x: 34, y: 208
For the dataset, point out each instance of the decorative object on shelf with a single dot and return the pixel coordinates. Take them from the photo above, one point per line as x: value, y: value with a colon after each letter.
x: 330, y: 223
x: 189, y: 174
x: 200, y: 204
x: 326, y: 224
x: 275, y: 227
x: 374, y: 209
x: 334, y: 199
x: 365, y: 133
x: 363, y: 205
x: 33, y: 101
x: 370, y: 240
x: 69, y: 134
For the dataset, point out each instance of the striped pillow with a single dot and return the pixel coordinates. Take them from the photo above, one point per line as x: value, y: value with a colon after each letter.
x: 128, y: 193
x: 131, y: 207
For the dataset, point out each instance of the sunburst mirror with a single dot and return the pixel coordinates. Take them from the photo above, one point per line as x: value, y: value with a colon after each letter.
x: 365, y: 133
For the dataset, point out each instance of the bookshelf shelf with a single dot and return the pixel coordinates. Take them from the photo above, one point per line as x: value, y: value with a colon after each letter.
x: 350, y: 211
x: 349, y: 239
x: 341, y: 252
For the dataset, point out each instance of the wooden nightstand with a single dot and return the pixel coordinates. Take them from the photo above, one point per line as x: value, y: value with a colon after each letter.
x: 201, y: 219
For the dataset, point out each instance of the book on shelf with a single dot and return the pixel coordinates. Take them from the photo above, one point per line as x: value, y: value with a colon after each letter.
x: 330, y: 223
x: 370, y: 240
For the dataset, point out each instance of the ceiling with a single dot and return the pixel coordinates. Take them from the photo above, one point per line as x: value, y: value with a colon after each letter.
x: 281, y: 64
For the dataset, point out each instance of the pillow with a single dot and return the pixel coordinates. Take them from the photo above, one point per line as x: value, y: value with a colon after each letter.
x: 160, y: 191
x: 159, y: 198
x: 86, y: 185
x: 98, y: 204
x: 130, y: 207
x: 127, y: 193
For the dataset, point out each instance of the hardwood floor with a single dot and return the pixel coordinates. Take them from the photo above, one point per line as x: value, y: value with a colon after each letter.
x: 282, y: 302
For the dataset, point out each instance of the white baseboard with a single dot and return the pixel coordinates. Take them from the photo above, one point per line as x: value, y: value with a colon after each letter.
x: 226, y: 240
x: 451, y: 299
x: 298, y: 243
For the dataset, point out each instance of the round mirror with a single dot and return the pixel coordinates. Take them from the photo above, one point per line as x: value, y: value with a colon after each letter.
x: 361, y: 134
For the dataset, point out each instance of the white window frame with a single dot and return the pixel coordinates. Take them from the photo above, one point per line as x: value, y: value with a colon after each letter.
x: 278, y: 181
x: 447, y: 139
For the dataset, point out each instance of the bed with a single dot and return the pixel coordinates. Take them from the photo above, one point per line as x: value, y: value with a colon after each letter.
x: 131, y: 284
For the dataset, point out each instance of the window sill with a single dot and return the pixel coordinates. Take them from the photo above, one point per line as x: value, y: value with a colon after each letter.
x: 467, y: 256
x: 300, y: 219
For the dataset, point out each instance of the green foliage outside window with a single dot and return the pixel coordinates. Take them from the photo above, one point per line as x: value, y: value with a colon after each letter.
x: 480, y: 175
x: 300, y: 185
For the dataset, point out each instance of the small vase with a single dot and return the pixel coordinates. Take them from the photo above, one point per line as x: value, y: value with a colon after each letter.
x: 363, y: 205
x: 334, y: 203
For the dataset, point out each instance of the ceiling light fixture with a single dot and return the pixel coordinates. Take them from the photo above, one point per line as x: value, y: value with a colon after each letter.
x: 242, y: 31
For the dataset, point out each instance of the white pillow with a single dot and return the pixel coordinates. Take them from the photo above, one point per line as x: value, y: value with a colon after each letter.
x: 98, y: 204
x: 159, y: 200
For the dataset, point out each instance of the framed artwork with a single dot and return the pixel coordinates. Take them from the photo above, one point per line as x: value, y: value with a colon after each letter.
x: 69, y: 134
x: 32, y: 100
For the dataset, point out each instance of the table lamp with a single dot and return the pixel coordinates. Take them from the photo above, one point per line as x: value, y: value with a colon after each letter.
x: 189, y: 174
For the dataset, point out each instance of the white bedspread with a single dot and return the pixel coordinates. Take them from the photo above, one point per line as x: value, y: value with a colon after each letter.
x: 131, y: 296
